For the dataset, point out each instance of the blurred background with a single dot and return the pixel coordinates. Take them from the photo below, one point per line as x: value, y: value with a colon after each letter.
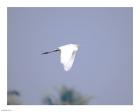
x: 102, y: 73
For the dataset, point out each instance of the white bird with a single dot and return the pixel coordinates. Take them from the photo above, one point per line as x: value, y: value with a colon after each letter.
x: 67, y: 55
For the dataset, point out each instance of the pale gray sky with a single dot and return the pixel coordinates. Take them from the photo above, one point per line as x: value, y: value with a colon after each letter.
x: 102, y: 67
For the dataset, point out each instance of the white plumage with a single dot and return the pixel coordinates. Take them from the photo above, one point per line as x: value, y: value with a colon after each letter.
x: 67, y: 55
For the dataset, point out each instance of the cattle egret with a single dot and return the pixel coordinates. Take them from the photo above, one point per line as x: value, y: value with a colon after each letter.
x: 67, y: 55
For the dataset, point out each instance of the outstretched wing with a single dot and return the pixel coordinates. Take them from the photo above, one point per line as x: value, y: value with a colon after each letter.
x: 67, y: 57
x: 69, y: 64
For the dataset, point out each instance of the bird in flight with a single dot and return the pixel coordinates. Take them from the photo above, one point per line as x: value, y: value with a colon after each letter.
x: 67, y: 54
